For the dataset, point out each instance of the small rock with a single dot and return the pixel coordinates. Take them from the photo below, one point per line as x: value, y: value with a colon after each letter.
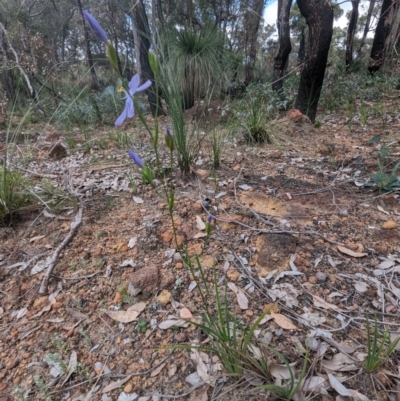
x: 128, y: 388
x: 39, y: 302
x: 320, y: 276
x: 57, y: 305
x: 180, y: 240
x: 179, y: 265
x: 389, y: 225
x: 381, y: 248
x: 57, y: 151
x: 202, y: 174
x: 276, y: 154
x: 97, y: 252
x: 118, y: 298
x: 312, y: 279
x: 164, y: 298
x: 195, y: 249
x: 197, y: 207
x: 177, y: 257
x: 167, y: 236
x: 295, y: 115
x: 233, y: 274
x: 249, y: 313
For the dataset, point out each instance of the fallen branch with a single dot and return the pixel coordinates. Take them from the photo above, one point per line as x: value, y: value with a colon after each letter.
x: 52, y: 260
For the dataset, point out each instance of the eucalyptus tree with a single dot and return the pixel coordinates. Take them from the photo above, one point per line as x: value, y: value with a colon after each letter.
x: 382, y: 34
x: 351, y: 30
x: 284, y: 43
x: 319, y: 18
x: 366, y: 27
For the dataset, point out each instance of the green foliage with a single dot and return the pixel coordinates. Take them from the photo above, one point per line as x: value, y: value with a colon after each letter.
x: 42, y: 388
x: 90, y: 108
x: 141, y: 326
x: 379, y: 348
x: 196, y: 57
x: 53, y: 197
x: 385, y: 182
x: 234, y: 344
x: 186, y: 142
x: 13, y: 193
x: 256, y: 110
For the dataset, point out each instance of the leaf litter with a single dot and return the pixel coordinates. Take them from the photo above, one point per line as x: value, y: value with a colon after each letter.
x: 361, y: 273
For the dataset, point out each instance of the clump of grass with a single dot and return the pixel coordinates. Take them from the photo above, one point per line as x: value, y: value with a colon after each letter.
x: 13, y: 193
x: 379, y: 348
x: 235, y: 346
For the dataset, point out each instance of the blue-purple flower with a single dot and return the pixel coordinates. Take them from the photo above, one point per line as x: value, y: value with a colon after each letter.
x: 209, y: 219
x: 135, y: 158
x: 96, y: 27
x: 129, y: 110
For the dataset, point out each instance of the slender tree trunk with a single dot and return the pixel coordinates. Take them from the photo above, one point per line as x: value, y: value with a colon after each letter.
x: 284, y: 44
x: 351, y: 30
x: 319, y: 18
x: 301, y: 54
x: 366, y: 28
x: 95, y: 81
x: 143, y: 33
x: 253, y: 19
x: 377, y: 57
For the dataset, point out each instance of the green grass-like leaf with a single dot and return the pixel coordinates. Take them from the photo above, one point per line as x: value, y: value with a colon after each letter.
x: 377, y: 349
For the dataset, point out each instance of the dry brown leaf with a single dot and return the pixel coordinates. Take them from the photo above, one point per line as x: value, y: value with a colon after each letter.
x: 349, y: 252
x: 185, y: 313
x: 38, y: 237
x: 130, y: 315
x: 200, y: 394
x: 318, y: 301
x: 114, y: 385
x: 172, y: 370
x: 199, y: 235
x: 283, y: 321
x: 157, y: 370
x: 338, y: 386
x: 200, y: 223
x: 242, y: 300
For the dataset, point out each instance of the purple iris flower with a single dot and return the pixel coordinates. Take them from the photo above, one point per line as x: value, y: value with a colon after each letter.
x: 96, y: 27
x: 135, y: 158
x: 209, y: 219
x: 168, y: 132
x: 129, y: 110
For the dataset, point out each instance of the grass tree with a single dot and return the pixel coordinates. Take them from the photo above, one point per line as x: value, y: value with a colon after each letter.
x: 196, y: 56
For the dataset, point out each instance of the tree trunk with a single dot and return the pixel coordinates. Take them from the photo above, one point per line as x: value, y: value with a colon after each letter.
x: 301, y: 54
x: 366, y: 28
x: 319, y: 18
x: 252, y: 24
x: 143, y: 36
x: 351, y: 30
x: 95, y: 81
x: 377, y: 57
x: 284, y: 44
x: 392, y: 38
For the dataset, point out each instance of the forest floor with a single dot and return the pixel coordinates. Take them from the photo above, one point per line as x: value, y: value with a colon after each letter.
x: 295, y: 231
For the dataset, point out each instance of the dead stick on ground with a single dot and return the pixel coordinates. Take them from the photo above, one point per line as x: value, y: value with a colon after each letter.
x: 51, y: 261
